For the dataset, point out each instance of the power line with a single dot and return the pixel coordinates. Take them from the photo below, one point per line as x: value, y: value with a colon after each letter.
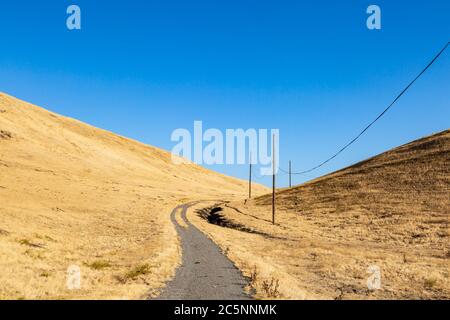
x: 376, y: 119
x: 256, y: 175
x: 259, y: 176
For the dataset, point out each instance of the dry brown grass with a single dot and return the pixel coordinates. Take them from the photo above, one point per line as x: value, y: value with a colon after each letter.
x: 391, y: 211
x: 99, y: 265
x: 72, y: 194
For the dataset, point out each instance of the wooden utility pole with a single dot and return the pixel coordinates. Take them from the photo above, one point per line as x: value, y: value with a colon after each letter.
x: 250, y: 178
x: 273, y: 179
x: 290, y: 181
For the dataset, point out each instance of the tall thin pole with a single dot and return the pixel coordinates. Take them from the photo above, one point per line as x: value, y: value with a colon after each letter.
x: 273, y: 179
x: 290, y: 172
x: 250, y: 178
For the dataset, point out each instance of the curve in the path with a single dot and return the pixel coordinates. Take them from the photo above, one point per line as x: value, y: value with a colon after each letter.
x: 206, y: 273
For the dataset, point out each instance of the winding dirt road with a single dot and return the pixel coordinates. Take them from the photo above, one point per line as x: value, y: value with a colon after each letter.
x: 206, y: 273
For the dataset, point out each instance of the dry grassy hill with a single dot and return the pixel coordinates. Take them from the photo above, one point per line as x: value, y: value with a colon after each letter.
x: 391, y: 211
x: 411, y: 180
x: 72, y: 194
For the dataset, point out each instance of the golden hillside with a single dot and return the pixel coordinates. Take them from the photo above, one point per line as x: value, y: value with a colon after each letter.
x: 72, y: 194
x: 413, y: 179
x: 390, y: 212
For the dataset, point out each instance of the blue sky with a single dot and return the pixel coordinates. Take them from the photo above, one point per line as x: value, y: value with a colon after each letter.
x: 310, y: 68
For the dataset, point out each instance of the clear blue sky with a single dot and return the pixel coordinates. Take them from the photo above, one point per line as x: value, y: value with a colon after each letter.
x: 310, y: 68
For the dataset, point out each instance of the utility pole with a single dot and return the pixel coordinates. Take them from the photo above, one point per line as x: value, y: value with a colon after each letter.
x: 250, y: 178
x: 273, y: 179
x: 290, y: 181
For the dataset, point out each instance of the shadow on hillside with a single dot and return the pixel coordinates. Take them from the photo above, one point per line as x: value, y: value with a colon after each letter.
x: 214, y: 215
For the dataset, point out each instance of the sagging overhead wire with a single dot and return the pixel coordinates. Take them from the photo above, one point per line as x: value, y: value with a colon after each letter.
x: 375, y: 120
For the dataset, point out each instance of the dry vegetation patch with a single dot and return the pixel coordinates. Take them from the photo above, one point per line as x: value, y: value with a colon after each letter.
x: 5, y: 134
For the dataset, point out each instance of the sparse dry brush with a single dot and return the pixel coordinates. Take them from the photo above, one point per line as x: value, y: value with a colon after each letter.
x: 99, y: 264
x: 267, y: 288
x: 254, y: 276
x: 5, y: 134
x: 134, y: 273
x: 430, y: 282
x: 271, y: 287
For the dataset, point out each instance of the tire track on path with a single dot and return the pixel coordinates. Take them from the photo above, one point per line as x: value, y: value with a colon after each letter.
x: 206, y: 273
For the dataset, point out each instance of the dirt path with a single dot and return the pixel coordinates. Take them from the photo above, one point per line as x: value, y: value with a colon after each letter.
x: 205, y: 272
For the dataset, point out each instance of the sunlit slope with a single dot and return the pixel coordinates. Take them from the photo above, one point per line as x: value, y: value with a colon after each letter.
x: 43, y: 138
x: 72, y: 194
